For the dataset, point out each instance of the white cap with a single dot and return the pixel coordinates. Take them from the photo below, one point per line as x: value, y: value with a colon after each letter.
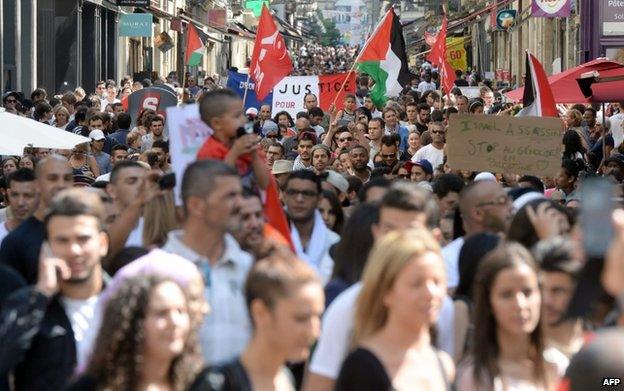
x: 485, y: 176
x: 338, y: 181
x: 97, y: 135
x: 252, y: 111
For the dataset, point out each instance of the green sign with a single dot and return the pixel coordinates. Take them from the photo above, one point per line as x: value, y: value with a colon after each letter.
x: 256, y: 6
x: 135, y: 25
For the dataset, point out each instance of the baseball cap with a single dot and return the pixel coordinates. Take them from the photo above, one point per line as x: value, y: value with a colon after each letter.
x: 269, y: 127
x: 97, y: 135
x: 424, y: 164
x: 282, y: 167
x: 338, y: 181
x: 251, y: 111
x: 485, y: 176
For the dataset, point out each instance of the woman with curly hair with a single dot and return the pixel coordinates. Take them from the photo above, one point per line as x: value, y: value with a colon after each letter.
x: 146, y: 340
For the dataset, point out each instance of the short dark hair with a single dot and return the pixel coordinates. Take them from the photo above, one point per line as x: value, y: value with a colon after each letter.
x: 423, y: 106
x: 122, y: 166
x: 20, y: 175
x: 213, y: 103
x: 355, y: 184
x: 162, y: 144
x: 75, y: 202
x: 535, y: 182
x: 437, y: 116
x: 389, y: 140
x: 154, y: 118
x: 408, y: 196
x: 307, y: 135
x: 39, y: 92
x: 303, y: 114
x: 119, y: 147
x: 380, y: 120
x: 305, y: 175
x: 124, y: 120
x: 447, y: 183
x: 557, y: 255
x: 200, y: 176
x: 382, y: 182
x: 95, y: 117
x: 316, y: 112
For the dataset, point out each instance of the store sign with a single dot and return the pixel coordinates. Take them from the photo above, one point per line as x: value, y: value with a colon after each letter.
x: 256, y: 6
x: 551, y: 8
x: 133, y: 3
x: 505, y: 19
x: 613, y: 17
x: 135, y: 25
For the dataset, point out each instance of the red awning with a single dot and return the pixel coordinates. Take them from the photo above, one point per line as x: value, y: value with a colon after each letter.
x: 564, y: 85
x: 607, y: 92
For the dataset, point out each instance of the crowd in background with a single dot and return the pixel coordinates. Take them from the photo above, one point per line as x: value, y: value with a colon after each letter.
x: 398, y: 270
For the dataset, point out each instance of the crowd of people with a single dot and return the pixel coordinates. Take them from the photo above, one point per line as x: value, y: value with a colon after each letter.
x: 397, y: 271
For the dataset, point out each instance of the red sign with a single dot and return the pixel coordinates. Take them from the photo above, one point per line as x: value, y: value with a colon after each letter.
x: 217, y: 18
x: 503, y: 74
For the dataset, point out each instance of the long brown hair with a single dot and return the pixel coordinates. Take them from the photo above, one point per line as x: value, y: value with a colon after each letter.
x: 118, y: 355
x: 485, y: 349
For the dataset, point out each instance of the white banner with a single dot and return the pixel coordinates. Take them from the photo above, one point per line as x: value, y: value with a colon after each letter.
x: 187, y: 133
x: 288, y: 94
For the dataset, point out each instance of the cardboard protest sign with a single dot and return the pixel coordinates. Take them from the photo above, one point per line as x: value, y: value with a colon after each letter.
x: 289, y: 93
x: 501, y: 144
x: 187, y: 133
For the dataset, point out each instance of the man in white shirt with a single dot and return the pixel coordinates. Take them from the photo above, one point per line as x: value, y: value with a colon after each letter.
x: 54, y: 323
x: 434, y: 152
x: 310, y: 236
x: 212, y: 196
x: 111, y: 96
x: 404, y: 206
x: 426, y: 84
x: 23, y: 199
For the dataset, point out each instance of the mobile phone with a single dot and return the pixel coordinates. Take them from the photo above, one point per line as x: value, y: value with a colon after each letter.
x: 343, y: 122
x: 597, y: 204
x: 249, y: 128
x: 167, y: 181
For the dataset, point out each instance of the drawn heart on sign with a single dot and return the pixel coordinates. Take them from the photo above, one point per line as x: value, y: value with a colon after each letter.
x: 541, y: 165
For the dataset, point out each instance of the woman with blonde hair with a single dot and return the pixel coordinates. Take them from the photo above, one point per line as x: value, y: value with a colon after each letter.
x: 61, y: 117
x: 83, y: 162
x: 404, y: 284
x: 160, y: 218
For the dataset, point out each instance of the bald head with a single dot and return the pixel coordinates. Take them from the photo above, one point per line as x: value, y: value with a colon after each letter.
x: 302, y: 123
x: 53, y: 175
x: 484, y: 207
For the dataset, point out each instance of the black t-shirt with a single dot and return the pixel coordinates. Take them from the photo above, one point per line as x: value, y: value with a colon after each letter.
x: 362, y: 371
x: 420, y: 127
x: 20, y: 249
x: 228, y: 377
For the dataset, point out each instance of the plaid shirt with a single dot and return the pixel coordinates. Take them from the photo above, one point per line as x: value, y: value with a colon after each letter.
x: 227, y: 328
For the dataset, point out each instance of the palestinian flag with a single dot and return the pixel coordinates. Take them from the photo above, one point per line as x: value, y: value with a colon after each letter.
x: 538, y: 100
x: 194, y: 46
x: 384, y: 59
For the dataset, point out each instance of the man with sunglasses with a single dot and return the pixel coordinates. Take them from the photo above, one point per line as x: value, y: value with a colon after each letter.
x: 433, y: 152
x: 309, y: 234
x: 484, y: 207
x: 9, y: 102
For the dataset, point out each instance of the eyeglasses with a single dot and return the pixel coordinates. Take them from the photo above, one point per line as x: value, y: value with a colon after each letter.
x: 304, y: 193
x: 11, y: 101
x: 500, y: 200
x: 345, y: 139
x: 388, y: 156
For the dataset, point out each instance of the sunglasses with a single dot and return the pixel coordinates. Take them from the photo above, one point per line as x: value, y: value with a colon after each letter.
x: 11, y: 101
x: 304, y: 193
x: 388, y: 156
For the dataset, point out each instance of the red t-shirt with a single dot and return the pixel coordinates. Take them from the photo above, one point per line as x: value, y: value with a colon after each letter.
x: 215, y: 149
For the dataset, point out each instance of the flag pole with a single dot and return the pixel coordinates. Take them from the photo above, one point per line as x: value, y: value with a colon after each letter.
x: 359, y: 54
x: 246, y: 89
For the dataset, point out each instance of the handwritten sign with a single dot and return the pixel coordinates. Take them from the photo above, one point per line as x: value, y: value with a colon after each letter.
x: 500, y: 144
x: 187, y: 133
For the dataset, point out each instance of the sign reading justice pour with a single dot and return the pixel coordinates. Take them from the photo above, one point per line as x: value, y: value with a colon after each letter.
x: 500, y: 144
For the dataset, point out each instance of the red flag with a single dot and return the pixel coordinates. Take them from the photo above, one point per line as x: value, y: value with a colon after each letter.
x: 437, y: 57
x: 275, y: 213
x: 270, y: 61
x: 538, y: 100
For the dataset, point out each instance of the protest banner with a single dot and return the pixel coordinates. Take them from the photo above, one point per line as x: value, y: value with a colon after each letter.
x: 237, y: 82
x: 289, y: 93
x: 471, y: 92
x: 187, y: 133
x: 501, y: 144
x: 157, y: 98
